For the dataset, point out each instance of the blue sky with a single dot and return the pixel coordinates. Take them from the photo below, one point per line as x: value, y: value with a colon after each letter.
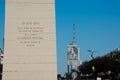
x: 97, y: 26
x: 1, y: 22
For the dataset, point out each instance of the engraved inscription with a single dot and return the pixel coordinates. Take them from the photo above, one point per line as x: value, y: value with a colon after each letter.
x: 30, y: 33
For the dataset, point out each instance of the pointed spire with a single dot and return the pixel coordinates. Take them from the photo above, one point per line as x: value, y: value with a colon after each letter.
x: 74, y: 33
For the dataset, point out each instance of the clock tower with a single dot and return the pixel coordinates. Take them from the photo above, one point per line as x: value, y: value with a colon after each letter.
x: 73, y: 54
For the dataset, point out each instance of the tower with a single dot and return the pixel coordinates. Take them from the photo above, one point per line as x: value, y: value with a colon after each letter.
x: 73, y: 53
x: 30, y: 40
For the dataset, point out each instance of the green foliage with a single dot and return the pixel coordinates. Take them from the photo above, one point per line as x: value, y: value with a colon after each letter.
x: 68, y: 76
x: 102, y: 64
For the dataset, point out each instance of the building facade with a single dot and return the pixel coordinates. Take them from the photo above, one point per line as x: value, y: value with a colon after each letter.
x: 73, y: 57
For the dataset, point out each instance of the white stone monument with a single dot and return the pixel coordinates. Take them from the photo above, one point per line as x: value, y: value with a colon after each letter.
x: 30, y: 40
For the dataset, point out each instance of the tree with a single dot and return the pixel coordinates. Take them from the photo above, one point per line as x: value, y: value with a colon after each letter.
x: 108, y: 64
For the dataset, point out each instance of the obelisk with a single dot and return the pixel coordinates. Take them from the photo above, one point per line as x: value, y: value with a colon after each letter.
x: 30, y: 40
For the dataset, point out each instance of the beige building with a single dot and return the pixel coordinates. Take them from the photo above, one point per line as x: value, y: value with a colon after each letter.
x: 30, y: 40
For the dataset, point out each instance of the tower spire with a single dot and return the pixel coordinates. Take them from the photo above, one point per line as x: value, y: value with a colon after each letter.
x: 74, y: 33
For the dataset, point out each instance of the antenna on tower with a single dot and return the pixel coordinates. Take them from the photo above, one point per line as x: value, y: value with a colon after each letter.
x: 74, y: 33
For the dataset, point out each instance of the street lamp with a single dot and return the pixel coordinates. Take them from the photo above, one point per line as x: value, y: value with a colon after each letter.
x: 92, y: 56
x: 92, y: 53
